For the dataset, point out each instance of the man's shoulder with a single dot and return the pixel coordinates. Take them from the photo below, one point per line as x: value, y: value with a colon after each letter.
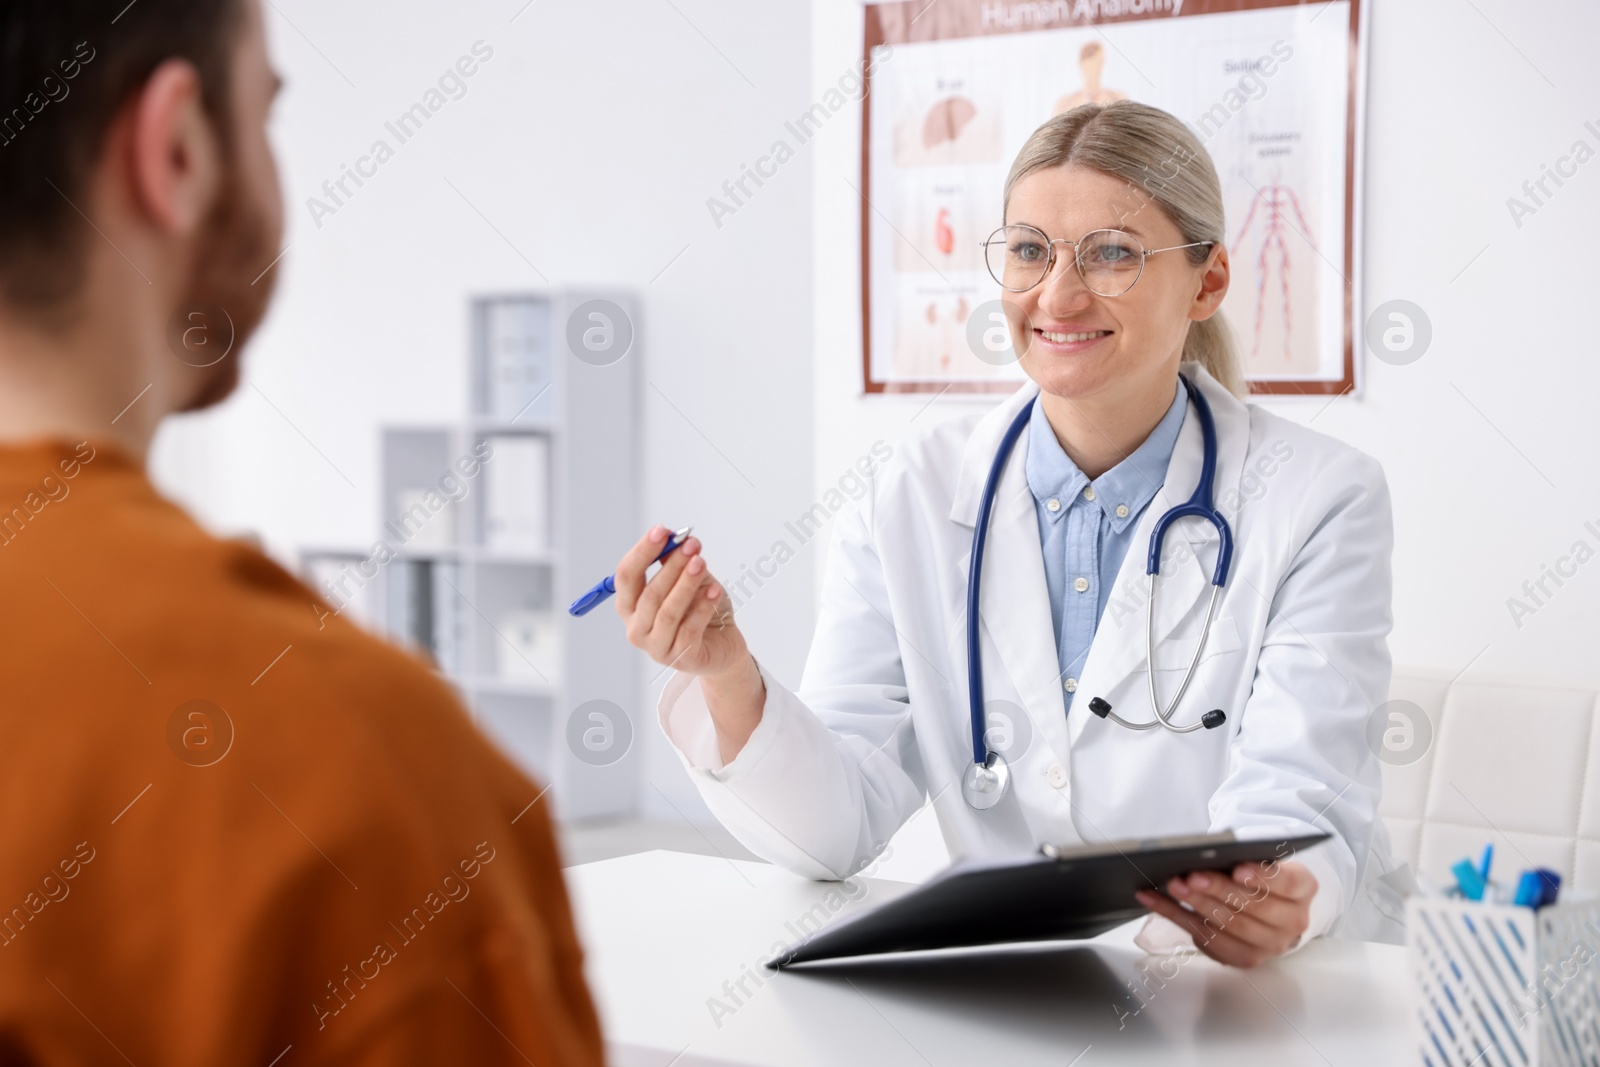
x: 148, y: 634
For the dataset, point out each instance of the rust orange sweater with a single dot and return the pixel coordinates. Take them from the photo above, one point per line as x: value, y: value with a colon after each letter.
x: 236, y: 827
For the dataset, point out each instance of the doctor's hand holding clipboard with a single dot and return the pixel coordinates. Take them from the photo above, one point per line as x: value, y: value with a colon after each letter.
x: 1124, y: 603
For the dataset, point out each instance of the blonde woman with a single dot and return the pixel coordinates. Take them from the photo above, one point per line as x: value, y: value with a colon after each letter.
x: 1110, y: 255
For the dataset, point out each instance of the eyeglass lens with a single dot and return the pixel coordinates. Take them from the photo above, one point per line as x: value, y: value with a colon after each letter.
x: 1109, y: 261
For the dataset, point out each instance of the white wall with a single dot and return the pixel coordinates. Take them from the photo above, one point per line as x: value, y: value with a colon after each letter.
x: 1457, y: 119
x: 591, y: 141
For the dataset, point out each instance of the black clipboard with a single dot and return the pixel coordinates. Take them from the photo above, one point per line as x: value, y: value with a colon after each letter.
x: 1056, y: 894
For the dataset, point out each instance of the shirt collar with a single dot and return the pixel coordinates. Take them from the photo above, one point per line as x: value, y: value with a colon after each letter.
x: 1131, y: 484
x: 1051, y: 475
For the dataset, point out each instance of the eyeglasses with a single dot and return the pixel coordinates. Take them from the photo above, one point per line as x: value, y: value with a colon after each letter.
x: 1109, y: 261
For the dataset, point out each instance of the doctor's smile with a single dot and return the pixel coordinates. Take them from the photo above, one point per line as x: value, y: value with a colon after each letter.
x: 1206, y: 709
x: 1064, y: 340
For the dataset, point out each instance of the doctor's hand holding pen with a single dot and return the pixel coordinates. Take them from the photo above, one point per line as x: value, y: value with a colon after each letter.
x: 682, y: 619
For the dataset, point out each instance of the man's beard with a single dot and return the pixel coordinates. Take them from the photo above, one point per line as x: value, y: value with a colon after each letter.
x: 232, y: 249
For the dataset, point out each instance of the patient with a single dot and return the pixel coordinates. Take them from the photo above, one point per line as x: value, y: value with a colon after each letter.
x: 236, y: 828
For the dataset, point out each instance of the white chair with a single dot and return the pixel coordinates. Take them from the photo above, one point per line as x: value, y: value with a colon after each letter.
x: 1509, y: 763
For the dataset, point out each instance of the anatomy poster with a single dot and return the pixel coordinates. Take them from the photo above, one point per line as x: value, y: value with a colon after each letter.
x: 1271, y: 89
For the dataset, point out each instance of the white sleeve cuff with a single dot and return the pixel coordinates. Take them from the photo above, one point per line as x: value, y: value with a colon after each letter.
x: 1326, y: 904
x: 1160, y: 936
x: 686, y: 720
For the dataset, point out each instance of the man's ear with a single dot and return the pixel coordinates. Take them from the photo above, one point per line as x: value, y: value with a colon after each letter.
x: 175, y: 164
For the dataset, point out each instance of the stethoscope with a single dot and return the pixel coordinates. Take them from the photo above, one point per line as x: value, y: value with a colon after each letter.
x: 988, y: 776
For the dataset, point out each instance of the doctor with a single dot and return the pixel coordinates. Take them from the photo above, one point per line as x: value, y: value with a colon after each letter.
x: 1113, y: 262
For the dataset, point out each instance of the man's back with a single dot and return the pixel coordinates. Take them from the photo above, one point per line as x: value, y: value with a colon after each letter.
x: 236, y: 824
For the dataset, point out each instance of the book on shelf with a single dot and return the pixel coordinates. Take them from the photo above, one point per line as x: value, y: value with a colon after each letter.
x: 517, y: 358
x: 517, y: 494
x: 425, y: 609
x: 420, y: 527
x: 448, y: 618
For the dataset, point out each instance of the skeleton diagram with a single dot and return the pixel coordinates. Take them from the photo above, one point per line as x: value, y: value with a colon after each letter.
x: 1276, y: 201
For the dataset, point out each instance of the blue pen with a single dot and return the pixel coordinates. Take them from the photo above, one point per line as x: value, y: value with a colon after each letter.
x: 608, y: 585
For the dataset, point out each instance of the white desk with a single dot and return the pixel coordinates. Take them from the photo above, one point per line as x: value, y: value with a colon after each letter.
x: 663, y: 932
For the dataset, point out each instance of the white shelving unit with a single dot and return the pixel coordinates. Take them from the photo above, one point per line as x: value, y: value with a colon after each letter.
x: 499, y: 521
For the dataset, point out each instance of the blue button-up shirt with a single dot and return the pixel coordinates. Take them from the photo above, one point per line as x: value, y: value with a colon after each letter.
x: 1087, y: 527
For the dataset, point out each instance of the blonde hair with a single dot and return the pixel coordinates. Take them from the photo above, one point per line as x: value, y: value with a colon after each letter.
x: 1157, y: 154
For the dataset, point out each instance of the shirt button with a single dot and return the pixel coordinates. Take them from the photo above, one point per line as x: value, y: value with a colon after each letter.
x: 1122, y: 511
x: 1053, y: 504
x: 1081, y: 584
x: 1057, y: 776
x: 1088, y: 492
x: 1070, y: 685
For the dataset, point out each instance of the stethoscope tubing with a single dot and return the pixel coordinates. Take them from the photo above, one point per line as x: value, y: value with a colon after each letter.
x: 980, y: 748
x: 1201, y: 505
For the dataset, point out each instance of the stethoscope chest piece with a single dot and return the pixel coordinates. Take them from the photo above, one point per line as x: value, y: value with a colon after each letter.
x: 985, y: 783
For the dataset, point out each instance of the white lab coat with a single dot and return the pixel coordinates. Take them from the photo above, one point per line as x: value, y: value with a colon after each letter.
x: 1297, y: 657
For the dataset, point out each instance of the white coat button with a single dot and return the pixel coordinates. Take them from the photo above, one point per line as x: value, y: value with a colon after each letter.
x: 1122, y: 511
x: 1088, y: 492
x: 1081, y: 584
x: 1053, y: 504
x: 1057, y: 776
x: 1070, y: 685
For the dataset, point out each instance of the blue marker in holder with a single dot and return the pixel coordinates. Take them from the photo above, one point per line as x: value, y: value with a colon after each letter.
x: 1468, y: 880
x: 1537, y: 888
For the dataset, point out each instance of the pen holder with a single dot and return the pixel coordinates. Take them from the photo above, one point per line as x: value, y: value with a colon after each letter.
x: 1502, y: 984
